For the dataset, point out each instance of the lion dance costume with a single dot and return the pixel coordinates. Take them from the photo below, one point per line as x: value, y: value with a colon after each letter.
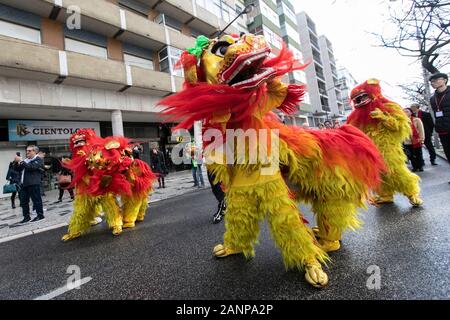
x: 388, y: 126
x: 232, y: 83
x: 103, y: 168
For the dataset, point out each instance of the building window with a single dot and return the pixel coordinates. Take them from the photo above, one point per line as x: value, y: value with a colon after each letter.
x: 19, y: 32
x: 272, y: 37
x: 85, y: 48
x: 138, y: 62
x: 135, y: 7
x: 288, y: 12
x: 168, y: 58
x: 137, y: 56
x: 269, y: 14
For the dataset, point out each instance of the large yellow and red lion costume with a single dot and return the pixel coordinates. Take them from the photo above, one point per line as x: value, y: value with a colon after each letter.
x: 232, y: 84
x: 388, y: 126
x: 103, y: 168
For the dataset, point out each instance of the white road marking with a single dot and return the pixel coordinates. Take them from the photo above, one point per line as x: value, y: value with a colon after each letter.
x: 64, y: 289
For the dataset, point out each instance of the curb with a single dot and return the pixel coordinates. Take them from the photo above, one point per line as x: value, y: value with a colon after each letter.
x: 64, y: 224
x: 33, y: 232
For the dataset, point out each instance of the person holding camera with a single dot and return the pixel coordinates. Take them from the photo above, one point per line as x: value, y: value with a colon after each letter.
x: 30, y: 173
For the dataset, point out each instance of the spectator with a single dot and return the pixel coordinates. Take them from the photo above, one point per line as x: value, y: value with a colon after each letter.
x: 428, y: 126
x: 414, y: 143
x: 328, y: 124
x: 158, y: 165
x: 440, y: 103
x: 197, y: 161
x: 42, y: 154
x: 64, y: 186
x: 321, y: 126
x: 136, y: 152
x: 14, y: 178
x: 337, y: 124
x: 30, y: 171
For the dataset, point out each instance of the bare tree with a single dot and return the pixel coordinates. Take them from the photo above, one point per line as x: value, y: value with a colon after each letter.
x: 422, y: 31
x: 415, y: 92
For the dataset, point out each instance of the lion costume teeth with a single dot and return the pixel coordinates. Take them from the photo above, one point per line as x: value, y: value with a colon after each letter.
x: 320, y: 166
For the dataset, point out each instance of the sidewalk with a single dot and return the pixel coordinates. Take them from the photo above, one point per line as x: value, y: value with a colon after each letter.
x: 440, y: 153
x: 58, y: 214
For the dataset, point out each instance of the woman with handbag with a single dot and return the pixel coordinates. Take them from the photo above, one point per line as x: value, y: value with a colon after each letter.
x: 13, y: 177
x: 64, y: 180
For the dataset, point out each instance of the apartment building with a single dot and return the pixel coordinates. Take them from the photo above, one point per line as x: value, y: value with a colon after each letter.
x: 290, y: 35
x: 321, y: 75
x: 315, y: 76
x: 275, y: 19
x: 346, y: 83
x: 331, y: 78
x: 68, y: 64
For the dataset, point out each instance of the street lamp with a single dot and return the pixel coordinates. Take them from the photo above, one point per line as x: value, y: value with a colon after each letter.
x: 247, y: 10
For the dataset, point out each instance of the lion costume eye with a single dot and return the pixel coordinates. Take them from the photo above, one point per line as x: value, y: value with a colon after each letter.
x: 220, y: 48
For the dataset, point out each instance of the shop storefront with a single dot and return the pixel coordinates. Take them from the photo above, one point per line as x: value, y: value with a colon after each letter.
x: 52, y: 137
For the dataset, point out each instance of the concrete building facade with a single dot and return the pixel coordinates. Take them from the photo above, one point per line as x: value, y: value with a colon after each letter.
x: 331, y: 78
x: 104, y: 64
x: 275, y: 19
x: 346, y: 83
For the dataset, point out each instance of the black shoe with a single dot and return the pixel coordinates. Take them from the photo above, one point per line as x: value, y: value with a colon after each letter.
x: 218, y: 216
x: 59, y: 200
x: 38, y: 218
x: 433, y: 163
x: 25, y: 220
x: 13, y: 207
x: 420, y: 169
x: 414, y: 170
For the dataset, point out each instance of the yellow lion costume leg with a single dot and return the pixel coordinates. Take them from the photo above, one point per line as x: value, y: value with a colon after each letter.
x: 249, y: 205
x: 113, y: 213
x: 131, y: 206
x: 333, y: 219
x: 85, y: 210
x: 400, y: 180
x: 142, y: 209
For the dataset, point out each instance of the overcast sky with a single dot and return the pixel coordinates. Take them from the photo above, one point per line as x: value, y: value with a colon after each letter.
x: 347, y: 23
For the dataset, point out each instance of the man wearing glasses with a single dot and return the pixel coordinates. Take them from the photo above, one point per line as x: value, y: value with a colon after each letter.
x: 30, y: 172
x: 440, y: 103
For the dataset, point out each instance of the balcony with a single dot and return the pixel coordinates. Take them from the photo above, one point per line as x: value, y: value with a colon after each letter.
x: 181, y: 41
x: 88, y: 71
x: 152, y: 82
x: 26, y: 60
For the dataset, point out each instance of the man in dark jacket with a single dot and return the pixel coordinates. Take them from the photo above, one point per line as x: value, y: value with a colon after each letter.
x: 428, y: 126
x: 30, y: 171
x: 440, y: 103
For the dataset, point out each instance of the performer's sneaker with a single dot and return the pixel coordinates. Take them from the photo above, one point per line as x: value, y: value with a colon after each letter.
x: 218, y: 216
x: 415, y: 201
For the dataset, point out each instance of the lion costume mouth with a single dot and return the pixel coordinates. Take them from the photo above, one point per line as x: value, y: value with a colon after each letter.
x: 361, y: 99
x: 246, y: 70
x: 79, y: 142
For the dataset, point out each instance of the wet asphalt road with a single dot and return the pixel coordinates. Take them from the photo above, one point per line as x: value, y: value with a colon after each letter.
x: 169, y: 256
